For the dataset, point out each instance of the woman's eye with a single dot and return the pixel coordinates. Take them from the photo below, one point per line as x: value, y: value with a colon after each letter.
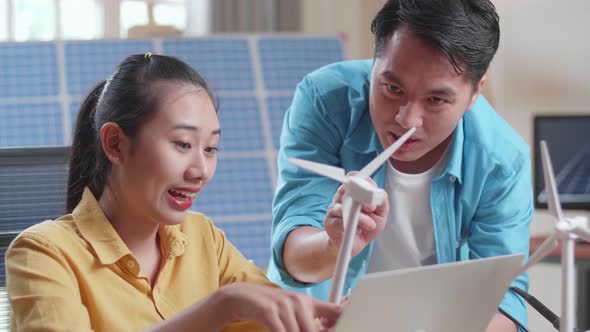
x: 211, y: 149
x: 183, y: 145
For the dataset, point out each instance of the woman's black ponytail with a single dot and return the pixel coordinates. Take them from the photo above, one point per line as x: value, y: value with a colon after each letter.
x: 84, y: 168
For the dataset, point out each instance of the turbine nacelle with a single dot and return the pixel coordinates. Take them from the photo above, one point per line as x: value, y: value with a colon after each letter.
x: 362, y: 191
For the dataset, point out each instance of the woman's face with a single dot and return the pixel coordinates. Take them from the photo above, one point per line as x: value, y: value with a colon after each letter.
x: 173, y: 156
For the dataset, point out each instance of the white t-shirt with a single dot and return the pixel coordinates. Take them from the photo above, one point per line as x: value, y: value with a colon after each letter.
x: 408, y: 237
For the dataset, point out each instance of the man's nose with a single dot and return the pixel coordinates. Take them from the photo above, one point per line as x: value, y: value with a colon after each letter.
x: 409, y: 115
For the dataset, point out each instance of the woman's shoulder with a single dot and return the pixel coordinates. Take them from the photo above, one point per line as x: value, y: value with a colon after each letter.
x: 52, y: 233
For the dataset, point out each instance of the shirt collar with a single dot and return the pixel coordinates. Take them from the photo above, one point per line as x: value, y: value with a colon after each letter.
x: 363, y: 138
x: 455, y: 162
x: 106, y: 242
x: 173, y: 240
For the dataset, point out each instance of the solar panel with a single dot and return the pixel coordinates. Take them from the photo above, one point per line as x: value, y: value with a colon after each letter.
x: 240, y: 118
x: 567, y: 139
x: 277, y: 105
x: 286, y: 61
x: 87, y: 62
x: 28, y: 70
x: 574, y: 179
x: 225, y: 63
x: 254, y: 78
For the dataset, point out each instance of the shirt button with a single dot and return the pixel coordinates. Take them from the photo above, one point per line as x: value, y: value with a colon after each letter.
x: 453, y: 178
x: 156, y: 295
x: 364, y: 263
x: 457, y: 244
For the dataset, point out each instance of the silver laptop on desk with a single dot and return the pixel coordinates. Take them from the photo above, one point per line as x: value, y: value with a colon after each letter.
x: 454, y: 297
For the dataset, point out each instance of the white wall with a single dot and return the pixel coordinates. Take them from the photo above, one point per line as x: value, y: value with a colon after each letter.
x: 542, y: 67
x: 350, y: 19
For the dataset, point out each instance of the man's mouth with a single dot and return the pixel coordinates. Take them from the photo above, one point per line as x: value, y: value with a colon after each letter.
x: 409, y: 141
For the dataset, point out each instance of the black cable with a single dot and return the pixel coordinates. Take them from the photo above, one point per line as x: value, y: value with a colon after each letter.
x: 540, y: 308
x: 537, y: 305
x: 514, y: 320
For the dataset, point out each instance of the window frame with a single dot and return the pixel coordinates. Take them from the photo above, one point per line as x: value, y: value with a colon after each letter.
x: 111, y: 22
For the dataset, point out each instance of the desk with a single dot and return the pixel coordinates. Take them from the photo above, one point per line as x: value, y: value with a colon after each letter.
x: 583, y: 277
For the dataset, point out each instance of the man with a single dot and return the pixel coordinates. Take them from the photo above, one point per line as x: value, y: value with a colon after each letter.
x: 458, y: 189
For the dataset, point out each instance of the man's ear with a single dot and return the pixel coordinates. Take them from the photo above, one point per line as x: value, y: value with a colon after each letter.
x: 114, y: 142
x: 477, y: 91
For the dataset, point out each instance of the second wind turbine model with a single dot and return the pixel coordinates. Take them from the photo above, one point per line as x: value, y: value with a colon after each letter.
x: 358, y: 191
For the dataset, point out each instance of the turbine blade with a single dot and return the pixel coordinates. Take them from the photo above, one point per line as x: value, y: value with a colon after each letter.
x: 544, y: 249
x: 550, y: 185
x: 371, y: 167
x: 332, y: 172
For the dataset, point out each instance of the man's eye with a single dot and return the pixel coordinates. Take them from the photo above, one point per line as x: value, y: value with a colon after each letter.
x: 436, y: 101
x: 183, y: 145
x: 392, y: 88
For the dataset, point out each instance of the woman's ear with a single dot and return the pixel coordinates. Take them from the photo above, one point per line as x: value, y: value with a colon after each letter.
x: 114, y: 142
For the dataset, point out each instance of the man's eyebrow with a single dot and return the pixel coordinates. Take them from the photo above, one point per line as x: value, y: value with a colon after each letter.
x: 391, y: 76
x: 443, y: 91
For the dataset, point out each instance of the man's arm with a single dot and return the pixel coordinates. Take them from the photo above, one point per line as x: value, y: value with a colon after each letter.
x: 310, y: 253
x: 306, y: 214
x: 501, y: 227
x: 302, y: 198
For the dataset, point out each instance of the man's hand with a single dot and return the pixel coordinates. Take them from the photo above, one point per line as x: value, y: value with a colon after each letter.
x: 310, y: 253
x: 371, y: 221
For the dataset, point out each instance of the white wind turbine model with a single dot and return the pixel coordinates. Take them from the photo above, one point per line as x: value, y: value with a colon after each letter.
x: 358, y: 191
x: 567, y: 230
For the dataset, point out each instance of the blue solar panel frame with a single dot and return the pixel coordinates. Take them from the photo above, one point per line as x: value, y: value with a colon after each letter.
x: 253, y: 77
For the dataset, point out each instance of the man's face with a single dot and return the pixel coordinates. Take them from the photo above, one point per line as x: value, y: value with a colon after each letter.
x: 414, y: 85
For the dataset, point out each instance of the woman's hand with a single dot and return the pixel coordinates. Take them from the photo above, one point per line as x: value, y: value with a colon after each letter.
x: 276, y: 309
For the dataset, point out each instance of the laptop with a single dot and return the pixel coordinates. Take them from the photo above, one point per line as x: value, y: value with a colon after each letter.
x: 453, y: 297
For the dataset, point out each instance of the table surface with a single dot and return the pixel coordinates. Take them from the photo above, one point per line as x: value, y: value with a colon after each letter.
x: 582, y: 249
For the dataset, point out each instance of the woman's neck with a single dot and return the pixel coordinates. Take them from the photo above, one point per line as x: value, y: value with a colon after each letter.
x: 139, y: 236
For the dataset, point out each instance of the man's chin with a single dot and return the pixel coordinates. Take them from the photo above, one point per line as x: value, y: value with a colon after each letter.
x: 407, y: 156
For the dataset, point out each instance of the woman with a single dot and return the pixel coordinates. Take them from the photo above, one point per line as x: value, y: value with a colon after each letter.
x: 130, y: 256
